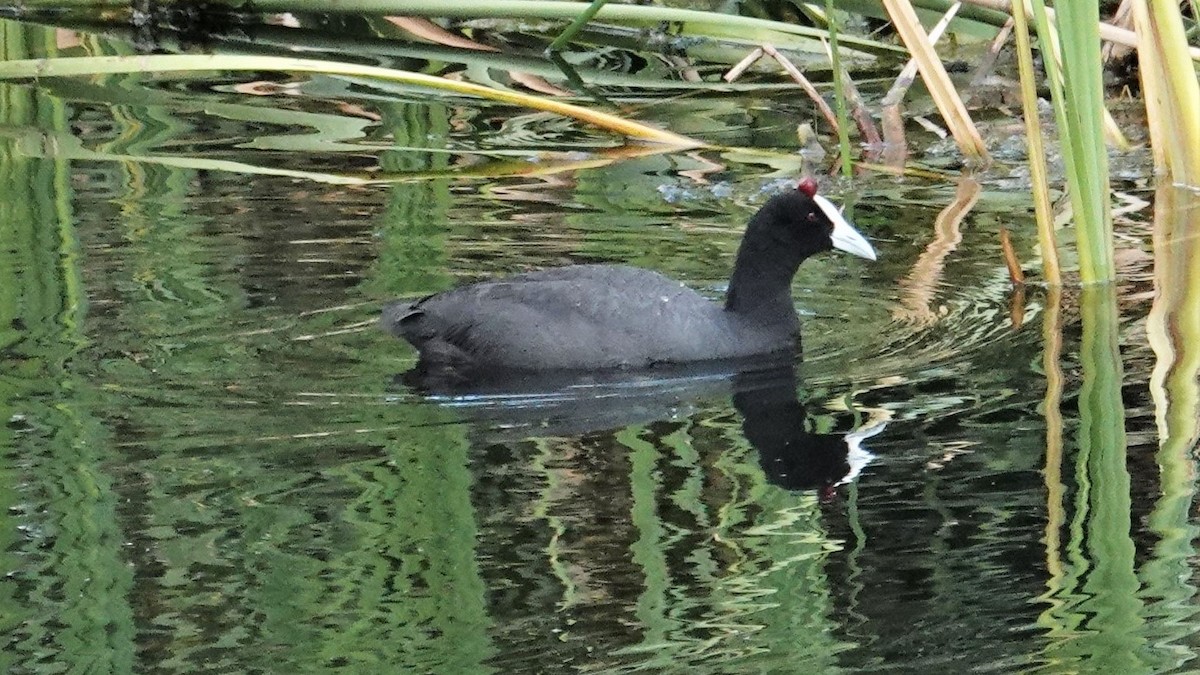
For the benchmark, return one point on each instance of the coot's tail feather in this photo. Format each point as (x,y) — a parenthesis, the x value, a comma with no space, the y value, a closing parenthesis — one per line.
(395,312)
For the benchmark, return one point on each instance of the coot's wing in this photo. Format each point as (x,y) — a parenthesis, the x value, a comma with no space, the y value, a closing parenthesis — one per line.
(588,316)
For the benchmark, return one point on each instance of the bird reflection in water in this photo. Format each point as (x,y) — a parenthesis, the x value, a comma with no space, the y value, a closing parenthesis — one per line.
(511,405)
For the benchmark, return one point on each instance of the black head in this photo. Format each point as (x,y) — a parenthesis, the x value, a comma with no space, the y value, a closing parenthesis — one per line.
(787,229)
(805,222)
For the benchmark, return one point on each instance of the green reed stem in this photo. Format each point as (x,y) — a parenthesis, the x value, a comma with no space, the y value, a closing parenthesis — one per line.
(1047,240)
(1077,92)
(577,25)
(839,94)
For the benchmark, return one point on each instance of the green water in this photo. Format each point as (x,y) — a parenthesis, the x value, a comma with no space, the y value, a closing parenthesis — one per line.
(207,465)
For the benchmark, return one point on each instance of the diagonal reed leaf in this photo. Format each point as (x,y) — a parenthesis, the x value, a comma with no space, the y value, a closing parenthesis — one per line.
(107,65)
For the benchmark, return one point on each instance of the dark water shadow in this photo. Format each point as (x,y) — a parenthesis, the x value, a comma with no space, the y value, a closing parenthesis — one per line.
(506,406)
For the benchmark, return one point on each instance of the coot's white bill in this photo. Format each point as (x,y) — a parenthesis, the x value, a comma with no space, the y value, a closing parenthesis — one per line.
(845,237)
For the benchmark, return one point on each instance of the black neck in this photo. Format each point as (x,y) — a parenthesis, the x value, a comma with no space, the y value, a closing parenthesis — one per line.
(761,283)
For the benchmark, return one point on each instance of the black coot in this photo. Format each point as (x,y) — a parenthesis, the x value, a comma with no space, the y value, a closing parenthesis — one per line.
(591,317)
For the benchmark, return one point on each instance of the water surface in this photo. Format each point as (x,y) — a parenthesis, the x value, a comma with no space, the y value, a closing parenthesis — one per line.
(209,465)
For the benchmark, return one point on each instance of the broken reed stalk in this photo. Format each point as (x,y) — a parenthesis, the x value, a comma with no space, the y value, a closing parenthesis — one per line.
(908,74)
(895,145)
(989,58)
(736,71)
(807,86)
(1015,274)
(941,89)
